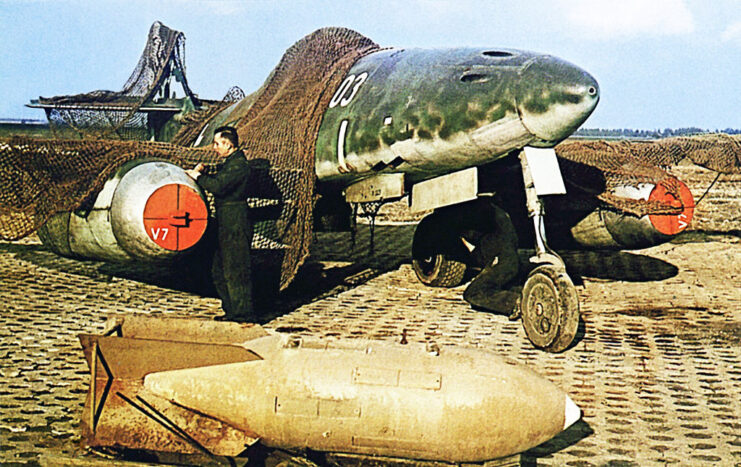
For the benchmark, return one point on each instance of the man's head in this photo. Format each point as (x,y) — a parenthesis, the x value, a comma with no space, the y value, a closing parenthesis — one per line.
(225,140)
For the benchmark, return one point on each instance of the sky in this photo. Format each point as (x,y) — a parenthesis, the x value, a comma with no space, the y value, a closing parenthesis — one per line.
(660,63)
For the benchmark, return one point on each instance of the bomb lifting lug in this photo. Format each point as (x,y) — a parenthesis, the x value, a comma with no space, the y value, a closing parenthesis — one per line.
(549,305)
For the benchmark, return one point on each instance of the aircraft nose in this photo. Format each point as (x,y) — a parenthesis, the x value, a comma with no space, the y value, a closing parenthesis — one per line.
(554,98)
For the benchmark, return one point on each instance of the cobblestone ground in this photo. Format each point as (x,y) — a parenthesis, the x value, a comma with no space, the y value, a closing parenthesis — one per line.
(656,368)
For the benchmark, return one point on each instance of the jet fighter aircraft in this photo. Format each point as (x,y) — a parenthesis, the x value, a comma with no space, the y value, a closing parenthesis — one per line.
(452,129)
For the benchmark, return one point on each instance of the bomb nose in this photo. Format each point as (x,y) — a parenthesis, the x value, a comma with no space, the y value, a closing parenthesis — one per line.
(554,98)
(572,413)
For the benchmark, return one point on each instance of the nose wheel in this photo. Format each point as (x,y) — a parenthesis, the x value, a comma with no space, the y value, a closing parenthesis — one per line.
(549,307)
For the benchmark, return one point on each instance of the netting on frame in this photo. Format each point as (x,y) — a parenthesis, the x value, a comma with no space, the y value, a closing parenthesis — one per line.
(278,124)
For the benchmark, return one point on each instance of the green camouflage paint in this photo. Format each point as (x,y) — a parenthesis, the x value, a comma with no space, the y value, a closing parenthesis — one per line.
(403,108)
(426,112)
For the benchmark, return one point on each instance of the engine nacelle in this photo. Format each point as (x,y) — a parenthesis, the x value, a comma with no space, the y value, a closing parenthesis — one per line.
(149,210)
(606,228)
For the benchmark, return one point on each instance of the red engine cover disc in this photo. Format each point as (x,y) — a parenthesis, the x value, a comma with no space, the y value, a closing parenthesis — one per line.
(175,217)
(664,192)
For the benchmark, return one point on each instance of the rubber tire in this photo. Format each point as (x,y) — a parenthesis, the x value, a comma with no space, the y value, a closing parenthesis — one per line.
(441,272)
(436,253)
(550,289)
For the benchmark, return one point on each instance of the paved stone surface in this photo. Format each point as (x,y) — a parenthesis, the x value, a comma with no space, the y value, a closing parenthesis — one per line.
(719,207)
(656,368)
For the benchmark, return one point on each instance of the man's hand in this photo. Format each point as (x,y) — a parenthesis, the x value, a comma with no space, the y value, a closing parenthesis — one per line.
(195,172)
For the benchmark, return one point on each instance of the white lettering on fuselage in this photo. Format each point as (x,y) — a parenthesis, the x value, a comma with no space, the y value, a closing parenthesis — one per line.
(156,233)
(682,221)
(341,147)
(347,85)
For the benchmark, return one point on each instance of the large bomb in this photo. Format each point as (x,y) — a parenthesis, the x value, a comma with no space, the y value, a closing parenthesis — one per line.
(193,385)
(149,210)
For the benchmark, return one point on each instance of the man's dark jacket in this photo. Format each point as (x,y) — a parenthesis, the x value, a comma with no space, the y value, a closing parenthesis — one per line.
(231,186)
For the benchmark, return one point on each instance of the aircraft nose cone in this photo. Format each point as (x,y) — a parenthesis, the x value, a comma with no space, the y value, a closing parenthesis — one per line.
(554,98)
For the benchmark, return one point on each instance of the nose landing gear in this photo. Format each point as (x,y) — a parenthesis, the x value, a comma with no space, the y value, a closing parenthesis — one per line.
(549,305)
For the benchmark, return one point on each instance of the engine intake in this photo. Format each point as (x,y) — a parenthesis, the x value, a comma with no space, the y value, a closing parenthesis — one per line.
(149,210)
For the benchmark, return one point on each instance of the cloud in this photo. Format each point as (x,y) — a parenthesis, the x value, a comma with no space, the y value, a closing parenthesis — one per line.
(217,7)
(629,18)
(732,33)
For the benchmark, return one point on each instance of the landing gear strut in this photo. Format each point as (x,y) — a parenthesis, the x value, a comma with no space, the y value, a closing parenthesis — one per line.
(549,305)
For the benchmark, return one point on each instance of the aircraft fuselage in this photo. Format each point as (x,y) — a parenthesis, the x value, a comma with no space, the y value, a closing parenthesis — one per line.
(427,112)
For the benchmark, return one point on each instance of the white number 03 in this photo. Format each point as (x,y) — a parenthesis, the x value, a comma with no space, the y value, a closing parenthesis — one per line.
(352,83)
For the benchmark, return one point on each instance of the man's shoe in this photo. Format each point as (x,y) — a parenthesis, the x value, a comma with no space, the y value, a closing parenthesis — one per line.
(516,312)
(242,319)
(236,318)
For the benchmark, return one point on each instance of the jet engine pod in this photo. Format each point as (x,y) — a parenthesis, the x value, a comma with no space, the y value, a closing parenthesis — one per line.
(148,211)
(605,228)
(157,210)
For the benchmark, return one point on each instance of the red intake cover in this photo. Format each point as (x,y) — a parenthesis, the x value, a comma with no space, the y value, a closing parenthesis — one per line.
(664,193)
(175,217)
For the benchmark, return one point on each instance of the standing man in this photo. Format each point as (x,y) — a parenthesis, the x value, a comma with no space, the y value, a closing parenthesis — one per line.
(232,267)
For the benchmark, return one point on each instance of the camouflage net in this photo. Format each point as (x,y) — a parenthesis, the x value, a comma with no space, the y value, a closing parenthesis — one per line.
(41,177)
(279,123)
(117,115)
(620,163)
(194,122)
(283,122)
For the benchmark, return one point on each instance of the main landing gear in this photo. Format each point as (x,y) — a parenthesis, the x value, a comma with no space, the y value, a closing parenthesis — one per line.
(481,236)
(445,245)
(438,258)
(549,305)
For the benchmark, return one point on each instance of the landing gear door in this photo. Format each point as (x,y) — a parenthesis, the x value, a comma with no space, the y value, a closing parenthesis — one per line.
(453,188)
(545,171)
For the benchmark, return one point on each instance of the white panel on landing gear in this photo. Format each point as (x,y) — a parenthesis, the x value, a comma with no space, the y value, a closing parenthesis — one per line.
(545,170)
(453,188)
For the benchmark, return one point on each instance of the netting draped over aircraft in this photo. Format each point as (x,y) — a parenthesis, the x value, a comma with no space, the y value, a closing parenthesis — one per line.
(621,163)
(41,177)
(279,123)
(283,122)
(194,122)
(115,114)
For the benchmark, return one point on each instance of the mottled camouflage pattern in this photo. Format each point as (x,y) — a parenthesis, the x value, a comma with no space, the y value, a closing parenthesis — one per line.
(438,100)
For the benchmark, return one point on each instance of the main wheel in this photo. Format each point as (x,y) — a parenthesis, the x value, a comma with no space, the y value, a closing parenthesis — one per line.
(550,309)
(437,270)
(436,254)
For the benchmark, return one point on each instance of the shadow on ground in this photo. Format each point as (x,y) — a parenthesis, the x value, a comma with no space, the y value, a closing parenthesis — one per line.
(569,437)
(337,262)
(617,266)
